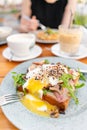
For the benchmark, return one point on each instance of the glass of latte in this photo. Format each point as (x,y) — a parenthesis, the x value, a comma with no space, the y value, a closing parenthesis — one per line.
(69,39)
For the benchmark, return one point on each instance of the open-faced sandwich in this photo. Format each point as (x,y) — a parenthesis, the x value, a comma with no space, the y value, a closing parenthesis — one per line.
(48,34)
(48,87)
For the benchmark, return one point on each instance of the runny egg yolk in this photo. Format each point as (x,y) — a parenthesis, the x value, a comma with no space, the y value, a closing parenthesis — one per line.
(35,85)
(37,105)
(32,100)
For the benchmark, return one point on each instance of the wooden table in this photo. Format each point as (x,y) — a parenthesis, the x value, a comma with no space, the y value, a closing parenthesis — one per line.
(5,67)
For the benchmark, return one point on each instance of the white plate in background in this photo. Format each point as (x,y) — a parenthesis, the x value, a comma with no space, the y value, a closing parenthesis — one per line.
(55,49)
(45,41)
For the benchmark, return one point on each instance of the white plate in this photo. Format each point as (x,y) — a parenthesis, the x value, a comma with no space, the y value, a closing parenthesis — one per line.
(35,52)
(74,119)
(81,53)
(44,41)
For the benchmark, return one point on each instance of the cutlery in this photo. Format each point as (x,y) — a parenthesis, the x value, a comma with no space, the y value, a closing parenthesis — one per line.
(9,98)
(43,27)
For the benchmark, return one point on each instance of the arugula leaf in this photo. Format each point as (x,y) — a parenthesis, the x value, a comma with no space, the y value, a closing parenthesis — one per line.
(14,73)
(50,31)
(25,91)
(82,77)
(46,61)
(65,78)
(18,79)
(80,85)
(45,91)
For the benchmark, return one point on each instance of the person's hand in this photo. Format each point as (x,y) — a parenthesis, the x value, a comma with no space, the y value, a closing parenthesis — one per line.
(27,25)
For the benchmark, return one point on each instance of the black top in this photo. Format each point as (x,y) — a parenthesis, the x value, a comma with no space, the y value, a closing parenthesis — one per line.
(49,14)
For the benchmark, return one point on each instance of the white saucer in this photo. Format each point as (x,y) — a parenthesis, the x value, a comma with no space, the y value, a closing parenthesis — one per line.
(3,42)
(81,53)
(35,52)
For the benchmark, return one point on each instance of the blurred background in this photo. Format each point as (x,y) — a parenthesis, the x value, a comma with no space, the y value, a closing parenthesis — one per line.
(81,13)
(10,11)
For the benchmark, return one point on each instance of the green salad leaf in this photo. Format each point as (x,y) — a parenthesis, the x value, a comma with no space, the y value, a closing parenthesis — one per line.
(65,78)
(79,85)
(82,77)
(18,79)
(50,31)
(46,61)
(45,91)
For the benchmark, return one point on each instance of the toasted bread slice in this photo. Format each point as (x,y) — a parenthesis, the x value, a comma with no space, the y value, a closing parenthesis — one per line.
(50,98)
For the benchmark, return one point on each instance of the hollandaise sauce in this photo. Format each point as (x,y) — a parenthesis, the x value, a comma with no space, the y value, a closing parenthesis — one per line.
(33,101)
(37,105)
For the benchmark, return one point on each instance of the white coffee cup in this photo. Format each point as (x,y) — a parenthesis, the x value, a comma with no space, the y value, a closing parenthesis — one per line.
(21,44)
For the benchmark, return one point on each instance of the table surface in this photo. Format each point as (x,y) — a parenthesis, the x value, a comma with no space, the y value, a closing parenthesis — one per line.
(6,66)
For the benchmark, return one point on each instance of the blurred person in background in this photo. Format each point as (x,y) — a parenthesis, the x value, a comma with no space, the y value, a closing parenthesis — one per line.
(50,13)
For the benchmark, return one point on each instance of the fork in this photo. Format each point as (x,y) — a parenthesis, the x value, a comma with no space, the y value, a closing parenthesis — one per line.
(43,27)
(9,98)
